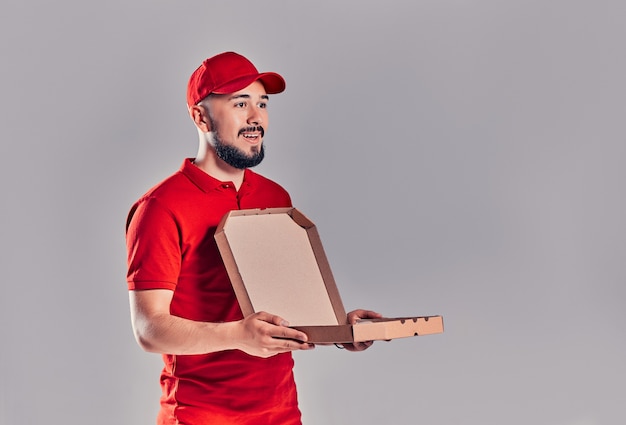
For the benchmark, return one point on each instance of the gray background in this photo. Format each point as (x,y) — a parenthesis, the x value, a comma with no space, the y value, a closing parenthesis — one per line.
(462,158)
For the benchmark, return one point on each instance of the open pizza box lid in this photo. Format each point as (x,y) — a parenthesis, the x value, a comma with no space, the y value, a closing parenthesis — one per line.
(276,263)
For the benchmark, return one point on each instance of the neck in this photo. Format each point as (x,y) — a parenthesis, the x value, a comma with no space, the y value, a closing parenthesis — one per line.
(208,161)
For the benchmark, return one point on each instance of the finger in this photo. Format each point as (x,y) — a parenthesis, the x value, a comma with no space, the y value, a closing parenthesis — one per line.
(358,346)
(272,318)
(364,345)
(282,331)
(369,314)
(352,346)
(292,345)
(284,345)
(289,333)
(356,315)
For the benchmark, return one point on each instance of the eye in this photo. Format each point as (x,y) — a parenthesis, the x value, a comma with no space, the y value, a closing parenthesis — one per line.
(240,105)
(262,105)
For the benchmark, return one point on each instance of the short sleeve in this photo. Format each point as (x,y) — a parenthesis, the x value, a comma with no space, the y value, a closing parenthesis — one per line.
(153,246)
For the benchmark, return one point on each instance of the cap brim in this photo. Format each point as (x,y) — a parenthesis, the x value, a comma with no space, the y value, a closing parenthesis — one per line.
(272,82)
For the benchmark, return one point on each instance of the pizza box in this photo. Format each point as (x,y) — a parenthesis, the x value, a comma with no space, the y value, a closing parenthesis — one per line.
(276,263)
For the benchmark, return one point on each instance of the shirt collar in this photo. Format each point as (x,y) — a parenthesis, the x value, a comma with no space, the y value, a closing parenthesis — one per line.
(207,183)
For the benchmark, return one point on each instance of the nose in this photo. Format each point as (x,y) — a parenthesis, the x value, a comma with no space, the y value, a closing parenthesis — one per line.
(255,116)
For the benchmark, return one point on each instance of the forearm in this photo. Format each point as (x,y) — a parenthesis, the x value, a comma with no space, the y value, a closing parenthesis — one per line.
(167,334)
(156,330)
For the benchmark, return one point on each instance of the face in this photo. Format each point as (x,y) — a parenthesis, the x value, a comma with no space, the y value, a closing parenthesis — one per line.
(238,122)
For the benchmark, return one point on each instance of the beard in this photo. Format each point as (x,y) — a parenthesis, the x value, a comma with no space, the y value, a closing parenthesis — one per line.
(236,157)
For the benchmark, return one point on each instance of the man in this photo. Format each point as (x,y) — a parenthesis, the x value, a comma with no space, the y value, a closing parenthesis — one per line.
(220,368)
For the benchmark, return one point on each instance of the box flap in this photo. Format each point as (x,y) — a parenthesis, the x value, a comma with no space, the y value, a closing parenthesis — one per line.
(276,263)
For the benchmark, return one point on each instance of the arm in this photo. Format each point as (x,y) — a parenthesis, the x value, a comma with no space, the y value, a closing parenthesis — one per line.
(353,317)
(156,330)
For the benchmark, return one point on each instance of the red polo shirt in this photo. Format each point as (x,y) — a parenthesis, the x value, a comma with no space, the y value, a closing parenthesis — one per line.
(171,246)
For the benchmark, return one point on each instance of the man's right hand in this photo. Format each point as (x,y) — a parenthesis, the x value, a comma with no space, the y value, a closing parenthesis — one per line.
(158,331)
(264,335)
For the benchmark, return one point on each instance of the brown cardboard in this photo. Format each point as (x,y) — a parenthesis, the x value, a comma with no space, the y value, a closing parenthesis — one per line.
(276,263)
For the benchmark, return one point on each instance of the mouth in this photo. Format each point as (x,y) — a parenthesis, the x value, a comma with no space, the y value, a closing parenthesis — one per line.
(252,134)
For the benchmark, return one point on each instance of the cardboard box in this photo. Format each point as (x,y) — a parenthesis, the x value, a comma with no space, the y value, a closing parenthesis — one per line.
(276,263)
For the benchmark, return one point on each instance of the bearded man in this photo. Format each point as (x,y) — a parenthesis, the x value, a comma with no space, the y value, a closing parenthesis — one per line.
(219,367)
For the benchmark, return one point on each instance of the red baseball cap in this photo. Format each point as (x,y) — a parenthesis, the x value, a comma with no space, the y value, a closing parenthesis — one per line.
(226,73)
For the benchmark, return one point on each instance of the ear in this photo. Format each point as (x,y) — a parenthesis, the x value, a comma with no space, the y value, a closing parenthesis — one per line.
(199,115)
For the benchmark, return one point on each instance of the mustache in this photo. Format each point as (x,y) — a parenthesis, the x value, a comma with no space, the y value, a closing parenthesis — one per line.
(252,130)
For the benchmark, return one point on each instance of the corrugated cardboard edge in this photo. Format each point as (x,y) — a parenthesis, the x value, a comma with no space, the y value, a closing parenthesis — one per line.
(375,330)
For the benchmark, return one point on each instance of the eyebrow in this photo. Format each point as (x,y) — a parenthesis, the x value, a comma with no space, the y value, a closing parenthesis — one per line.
(247,96)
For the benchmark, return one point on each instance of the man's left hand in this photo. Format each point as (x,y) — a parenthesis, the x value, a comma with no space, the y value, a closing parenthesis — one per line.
(353,317)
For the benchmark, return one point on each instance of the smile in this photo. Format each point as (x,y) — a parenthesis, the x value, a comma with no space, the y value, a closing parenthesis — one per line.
(252,133)
(251,136)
